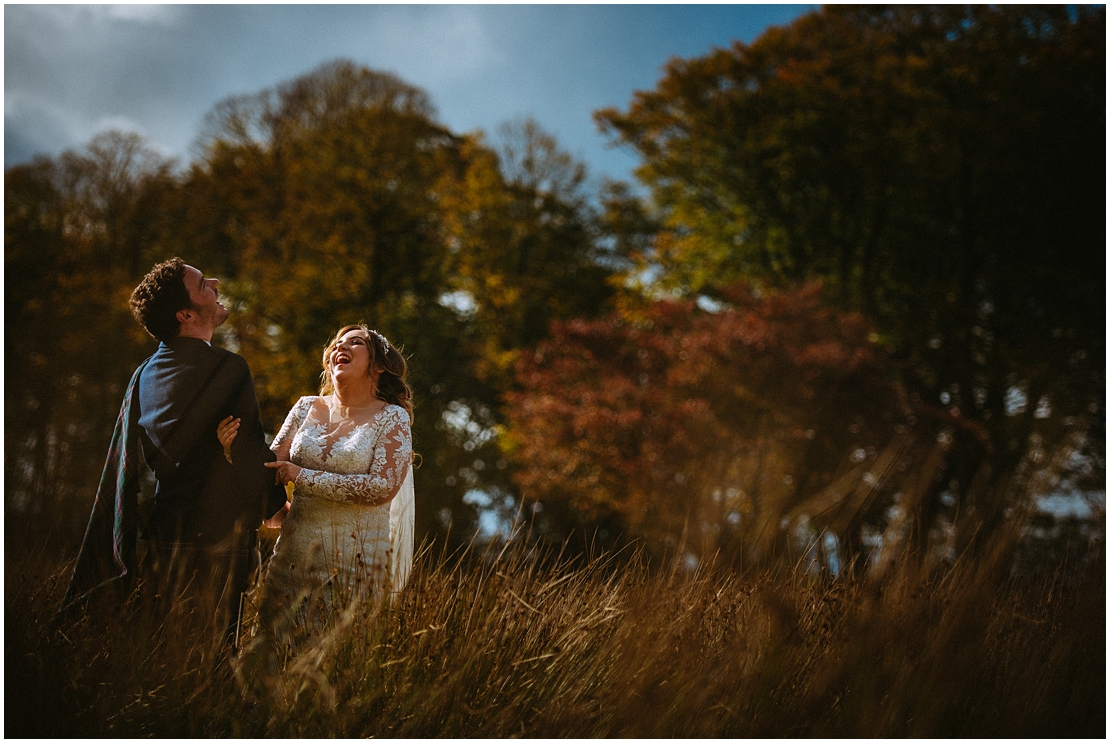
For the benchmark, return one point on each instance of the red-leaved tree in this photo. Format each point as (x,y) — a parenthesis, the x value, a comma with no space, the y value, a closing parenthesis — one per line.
(702,425)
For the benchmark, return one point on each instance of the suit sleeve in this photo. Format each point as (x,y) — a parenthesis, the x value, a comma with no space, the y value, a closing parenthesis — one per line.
(185,433)
(249,450)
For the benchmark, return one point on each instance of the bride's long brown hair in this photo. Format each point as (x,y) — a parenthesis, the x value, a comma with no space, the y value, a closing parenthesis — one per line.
(392,386)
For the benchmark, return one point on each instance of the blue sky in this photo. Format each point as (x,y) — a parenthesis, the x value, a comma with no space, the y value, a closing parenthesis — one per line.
(73,71)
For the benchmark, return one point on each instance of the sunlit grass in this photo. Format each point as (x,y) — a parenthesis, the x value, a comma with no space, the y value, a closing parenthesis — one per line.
(507,642)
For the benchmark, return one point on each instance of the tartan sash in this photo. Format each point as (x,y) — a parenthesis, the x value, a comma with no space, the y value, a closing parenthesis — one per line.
(108,551)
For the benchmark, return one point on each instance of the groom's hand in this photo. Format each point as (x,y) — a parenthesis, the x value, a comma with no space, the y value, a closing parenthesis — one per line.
(274,522)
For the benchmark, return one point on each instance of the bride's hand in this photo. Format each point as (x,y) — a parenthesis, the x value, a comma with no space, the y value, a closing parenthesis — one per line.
(286,471)
(226,433)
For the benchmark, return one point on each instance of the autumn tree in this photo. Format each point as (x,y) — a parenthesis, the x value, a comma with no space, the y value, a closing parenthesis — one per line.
(319,200)
(523,243)
(708,424)
(78,230)
(940,168)
(333,198)
(336,198)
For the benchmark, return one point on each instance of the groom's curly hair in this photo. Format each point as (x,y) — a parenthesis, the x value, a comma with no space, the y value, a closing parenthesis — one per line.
(392,386)
(158,297)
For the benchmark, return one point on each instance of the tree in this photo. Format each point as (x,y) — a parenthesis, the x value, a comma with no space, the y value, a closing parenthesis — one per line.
(77,234)
(320,201)
(338,198)
(940,168)
(333,198)
(708,424)
(524,249)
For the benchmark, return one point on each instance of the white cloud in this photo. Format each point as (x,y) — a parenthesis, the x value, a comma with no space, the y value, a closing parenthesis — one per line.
(82,16)
(164,15)
(119,123)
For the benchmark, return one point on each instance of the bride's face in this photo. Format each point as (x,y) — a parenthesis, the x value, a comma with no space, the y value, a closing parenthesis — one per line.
(350,359)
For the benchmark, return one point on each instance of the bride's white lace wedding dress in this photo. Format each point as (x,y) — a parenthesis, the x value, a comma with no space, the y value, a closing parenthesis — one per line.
(348,537)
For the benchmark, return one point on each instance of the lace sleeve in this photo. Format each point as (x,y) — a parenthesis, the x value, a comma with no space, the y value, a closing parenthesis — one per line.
(284,440)
(388,467)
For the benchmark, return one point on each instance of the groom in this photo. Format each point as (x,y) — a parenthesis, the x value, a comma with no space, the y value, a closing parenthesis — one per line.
(207,507)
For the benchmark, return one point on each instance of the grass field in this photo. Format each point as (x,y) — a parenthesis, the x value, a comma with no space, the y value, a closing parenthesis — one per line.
(505,642)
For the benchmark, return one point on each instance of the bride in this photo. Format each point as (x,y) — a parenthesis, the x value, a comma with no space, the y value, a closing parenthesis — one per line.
(348,535)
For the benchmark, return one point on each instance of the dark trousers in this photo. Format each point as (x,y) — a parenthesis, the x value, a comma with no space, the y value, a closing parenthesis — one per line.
(212,577)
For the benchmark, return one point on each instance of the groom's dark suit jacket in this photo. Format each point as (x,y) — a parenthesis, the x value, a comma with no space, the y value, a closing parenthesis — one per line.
(184,391)
(168,418)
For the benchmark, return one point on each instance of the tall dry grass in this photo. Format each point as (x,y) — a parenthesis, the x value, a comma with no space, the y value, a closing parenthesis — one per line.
(506,642)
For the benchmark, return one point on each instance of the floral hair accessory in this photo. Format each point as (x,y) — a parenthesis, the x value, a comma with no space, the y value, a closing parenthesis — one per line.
(385,343)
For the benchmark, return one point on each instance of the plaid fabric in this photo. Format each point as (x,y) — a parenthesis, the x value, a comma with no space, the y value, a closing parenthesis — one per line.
(108,555)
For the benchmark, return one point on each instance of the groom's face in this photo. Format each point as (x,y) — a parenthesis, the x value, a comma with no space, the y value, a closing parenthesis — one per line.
(204,294)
